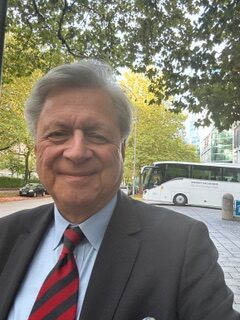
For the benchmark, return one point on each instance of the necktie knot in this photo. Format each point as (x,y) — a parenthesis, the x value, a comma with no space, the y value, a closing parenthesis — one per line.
(71,238)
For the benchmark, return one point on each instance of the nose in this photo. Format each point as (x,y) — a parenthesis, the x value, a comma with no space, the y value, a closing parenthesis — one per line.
(77,149)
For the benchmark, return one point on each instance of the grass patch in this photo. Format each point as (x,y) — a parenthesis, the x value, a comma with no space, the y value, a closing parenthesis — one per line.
(8,193)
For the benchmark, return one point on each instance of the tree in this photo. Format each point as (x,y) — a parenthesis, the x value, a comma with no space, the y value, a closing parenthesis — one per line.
(159,132)
(195,44)
(24,55)
(11,162)
(14,135)
(124,33)
(205,75)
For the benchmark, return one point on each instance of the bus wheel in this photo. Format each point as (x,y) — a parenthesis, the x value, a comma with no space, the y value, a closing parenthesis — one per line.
(180,199)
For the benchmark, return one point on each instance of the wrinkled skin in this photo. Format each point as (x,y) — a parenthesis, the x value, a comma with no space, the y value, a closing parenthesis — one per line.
(79,151)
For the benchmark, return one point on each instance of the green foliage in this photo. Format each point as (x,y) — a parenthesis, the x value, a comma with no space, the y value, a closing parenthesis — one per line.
(12,162)
(7,182)
(13,126)
(124,33)
(195,43)
(202,70)
(15,141)
(158,134)
(24,54)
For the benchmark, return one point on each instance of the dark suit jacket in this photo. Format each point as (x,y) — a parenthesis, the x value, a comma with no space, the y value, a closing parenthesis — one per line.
(152,263)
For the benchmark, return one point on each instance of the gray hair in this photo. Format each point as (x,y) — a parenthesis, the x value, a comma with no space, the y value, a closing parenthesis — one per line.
(87,73)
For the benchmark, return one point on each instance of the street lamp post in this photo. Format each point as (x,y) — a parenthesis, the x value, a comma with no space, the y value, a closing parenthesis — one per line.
(3,13)
(134,154)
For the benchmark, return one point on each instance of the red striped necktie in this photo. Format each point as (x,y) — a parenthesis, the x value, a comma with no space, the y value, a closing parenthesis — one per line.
(57,298)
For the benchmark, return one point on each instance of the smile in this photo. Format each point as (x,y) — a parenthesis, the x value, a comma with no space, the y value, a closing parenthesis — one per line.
(77,177)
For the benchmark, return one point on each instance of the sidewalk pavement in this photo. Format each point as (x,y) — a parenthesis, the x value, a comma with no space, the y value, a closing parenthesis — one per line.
(226,237)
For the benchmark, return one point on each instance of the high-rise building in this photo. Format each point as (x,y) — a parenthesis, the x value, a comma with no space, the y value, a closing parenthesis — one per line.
(192,132)
(236,143)
(217,146)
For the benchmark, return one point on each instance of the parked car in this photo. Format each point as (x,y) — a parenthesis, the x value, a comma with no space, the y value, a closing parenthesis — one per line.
(126,190)
(32,190)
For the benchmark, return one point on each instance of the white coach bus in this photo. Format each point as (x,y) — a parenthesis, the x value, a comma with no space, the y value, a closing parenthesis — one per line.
(184,183)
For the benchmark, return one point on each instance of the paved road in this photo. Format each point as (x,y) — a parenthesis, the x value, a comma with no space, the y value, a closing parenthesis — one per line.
(12,206)
(225,235)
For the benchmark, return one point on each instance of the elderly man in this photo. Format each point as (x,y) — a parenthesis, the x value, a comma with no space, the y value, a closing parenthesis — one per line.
(95,254)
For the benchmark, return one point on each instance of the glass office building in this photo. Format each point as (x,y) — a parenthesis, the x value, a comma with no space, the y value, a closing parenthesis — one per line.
(236,143)
(217,146)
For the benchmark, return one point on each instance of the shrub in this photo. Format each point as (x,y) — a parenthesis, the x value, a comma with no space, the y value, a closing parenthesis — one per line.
(8,182)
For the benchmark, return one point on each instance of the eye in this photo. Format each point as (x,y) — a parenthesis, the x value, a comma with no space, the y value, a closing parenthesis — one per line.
(98,138)
(58,136)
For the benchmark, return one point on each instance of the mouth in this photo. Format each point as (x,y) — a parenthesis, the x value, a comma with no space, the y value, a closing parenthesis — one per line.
(77,176)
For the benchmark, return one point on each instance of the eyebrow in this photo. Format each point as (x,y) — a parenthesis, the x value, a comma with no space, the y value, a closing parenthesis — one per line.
(54,125)
(86,127)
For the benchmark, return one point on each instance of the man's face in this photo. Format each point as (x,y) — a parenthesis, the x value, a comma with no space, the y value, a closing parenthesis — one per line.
(79,151)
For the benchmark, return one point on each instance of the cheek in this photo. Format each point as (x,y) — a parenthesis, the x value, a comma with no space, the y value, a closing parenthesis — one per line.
(45,156)
(114,160)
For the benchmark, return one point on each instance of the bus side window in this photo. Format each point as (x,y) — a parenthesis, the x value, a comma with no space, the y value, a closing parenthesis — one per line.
(176,171)
(206,173)
(231,174)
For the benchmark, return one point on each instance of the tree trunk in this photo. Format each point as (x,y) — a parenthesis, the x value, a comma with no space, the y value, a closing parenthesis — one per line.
(26,171)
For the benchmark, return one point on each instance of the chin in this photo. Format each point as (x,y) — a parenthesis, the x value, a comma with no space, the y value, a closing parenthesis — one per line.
(75,200)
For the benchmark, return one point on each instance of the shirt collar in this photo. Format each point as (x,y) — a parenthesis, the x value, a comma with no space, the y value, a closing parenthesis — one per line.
(93,228)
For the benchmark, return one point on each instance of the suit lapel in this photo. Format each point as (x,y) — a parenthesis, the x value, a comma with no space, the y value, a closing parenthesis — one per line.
(113,265)
(21,255)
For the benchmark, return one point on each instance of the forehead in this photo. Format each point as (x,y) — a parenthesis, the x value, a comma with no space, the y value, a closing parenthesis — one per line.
(75,105)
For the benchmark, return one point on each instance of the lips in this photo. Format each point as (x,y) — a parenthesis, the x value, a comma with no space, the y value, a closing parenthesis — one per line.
(77,175)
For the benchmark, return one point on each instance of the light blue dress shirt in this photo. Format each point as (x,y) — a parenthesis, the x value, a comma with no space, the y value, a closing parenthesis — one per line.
(47,255)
